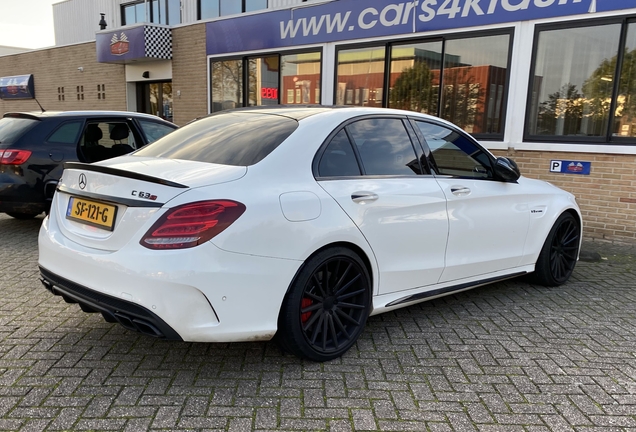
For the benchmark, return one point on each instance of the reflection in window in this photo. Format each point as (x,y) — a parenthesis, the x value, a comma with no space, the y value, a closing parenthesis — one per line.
(154,11)
(339,160)
(300,72)
(263,81)
(274,79)
(235,138)
(384,147)
(415,77)
(227,84)
(254,5)
(153,130)
(215,8)
(453,154)
(360,75)
(67,133)
(573,80)
(625,120)
(475,71)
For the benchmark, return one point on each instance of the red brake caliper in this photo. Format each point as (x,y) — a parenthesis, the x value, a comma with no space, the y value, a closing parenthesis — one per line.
(303,304)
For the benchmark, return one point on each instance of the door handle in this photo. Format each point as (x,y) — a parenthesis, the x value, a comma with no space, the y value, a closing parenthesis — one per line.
(460,190)
(363,197)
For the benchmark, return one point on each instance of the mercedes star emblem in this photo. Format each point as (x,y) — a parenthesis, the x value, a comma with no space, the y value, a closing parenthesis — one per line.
(82,181)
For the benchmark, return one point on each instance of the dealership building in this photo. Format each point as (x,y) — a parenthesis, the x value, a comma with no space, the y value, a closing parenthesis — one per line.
(550,83)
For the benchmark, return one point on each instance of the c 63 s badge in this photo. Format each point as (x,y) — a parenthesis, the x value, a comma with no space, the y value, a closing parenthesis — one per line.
(144,195)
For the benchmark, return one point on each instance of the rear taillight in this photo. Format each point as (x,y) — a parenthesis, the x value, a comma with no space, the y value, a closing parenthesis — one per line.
(14,157)
(190,225)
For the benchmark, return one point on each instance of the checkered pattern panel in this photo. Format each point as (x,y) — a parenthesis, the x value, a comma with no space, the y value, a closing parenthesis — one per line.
(158,42)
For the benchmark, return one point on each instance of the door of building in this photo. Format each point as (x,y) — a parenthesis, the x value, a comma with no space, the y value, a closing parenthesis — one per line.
(155,98)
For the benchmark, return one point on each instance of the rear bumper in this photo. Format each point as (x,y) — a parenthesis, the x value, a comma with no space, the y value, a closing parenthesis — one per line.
(129,315)
(202,294)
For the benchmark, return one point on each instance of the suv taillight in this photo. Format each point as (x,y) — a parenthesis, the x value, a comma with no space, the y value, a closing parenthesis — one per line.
(14,157)
(190,225)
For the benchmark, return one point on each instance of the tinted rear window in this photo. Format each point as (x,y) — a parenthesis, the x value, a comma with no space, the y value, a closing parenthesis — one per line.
(240,139)
(12,128)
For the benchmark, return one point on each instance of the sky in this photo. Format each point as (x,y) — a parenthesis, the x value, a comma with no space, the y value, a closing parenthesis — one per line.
(27,23)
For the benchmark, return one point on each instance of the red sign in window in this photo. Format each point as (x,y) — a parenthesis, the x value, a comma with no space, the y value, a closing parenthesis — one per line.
(269,93)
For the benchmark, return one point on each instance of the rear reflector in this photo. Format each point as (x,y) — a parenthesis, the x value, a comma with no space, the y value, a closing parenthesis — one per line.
(14,157)
(191,224)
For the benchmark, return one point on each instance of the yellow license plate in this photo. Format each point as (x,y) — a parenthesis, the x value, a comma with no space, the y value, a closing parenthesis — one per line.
(95,213)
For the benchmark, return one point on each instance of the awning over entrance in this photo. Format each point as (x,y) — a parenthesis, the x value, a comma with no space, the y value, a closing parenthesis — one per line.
(132,44)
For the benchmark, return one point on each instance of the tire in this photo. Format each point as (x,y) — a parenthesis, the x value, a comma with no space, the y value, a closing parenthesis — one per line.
(326,307)
(22,216)
(559,252)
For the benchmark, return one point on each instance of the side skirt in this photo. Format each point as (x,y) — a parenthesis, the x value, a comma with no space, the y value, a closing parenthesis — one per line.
(451,289)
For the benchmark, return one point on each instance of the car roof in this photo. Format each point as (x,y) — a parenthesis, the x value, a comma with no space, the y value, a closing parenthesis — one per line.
(296,112)
(300,112)
(84,113)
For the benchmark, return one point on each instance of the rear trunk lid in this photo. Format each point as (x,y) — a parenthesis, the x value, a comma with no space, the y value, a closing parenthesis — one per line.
(104,205)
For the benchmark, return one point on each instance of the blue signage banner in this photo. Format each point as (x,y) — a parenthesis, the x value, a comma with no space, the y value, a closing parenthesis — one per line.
(17,87)
(121,45)
(355,19)
(570,167)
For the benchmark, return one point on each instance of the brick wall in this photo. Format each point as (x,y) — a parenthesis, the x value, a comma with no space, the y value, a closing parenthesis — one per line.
(189,73)
(58,67)
(607,196)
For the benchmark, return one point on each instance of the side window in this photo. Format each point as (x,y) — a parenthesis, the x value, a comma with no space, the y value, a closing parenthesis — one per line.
(384,147)
(66,133)
(338,160)
(153,131)
(454,154)
(105,140)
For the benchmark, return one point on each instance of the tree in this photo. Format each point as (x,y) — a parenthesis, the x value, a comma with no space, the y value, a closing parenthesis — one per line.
(597,90)
(413,90)
(563,109)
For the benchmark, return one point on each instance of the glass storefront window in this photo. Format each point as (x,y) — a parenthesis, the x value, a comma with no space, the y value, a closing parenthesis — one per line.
(572,83)
(625,113)
(216,8)
(134,13)
(227,84)
(230,7)
(300,72)
(271,80)
(414,81)
(254,5)
(360,76)
(475,74)
(174,12)
(155,11)
(209,9)
(263,81)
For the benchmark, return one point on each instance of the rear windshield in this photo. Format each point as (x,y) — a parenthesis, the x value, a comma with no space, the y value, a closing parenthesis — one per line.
(240,139)
(12,128)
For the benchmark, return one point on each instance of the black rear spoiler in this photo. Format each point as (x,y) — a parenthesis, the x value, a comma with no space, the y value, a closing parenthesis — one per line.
(122,173)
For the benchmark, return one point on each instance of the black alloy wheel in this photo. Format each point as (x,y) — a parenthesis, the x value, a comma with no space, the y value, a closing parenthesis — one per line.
(560,252)
(327,306)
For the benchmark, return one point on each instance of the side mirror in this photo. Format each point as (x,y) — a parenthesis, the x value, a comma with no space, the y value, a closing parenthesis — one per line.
(507,169)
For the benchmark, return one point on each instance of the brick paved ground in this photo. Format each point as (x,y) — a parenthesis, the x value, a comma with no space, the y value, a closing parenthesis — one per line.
(509,356)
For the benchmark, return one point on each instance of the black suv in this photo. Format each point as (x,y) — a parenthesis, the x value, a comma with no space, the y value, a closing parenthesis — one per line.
(34,147)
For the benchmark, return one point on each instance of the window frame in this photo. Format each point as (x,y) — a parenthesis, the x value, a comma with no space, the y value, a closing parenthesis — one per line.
(315,164)
(245,58)
(151,12)
(431,158)
(608,138)
(388,47)
(243,4)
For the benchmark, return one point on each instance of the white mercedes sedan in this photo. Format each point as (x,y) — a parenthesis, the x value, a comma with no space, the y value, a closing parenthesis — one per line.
(297,223)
